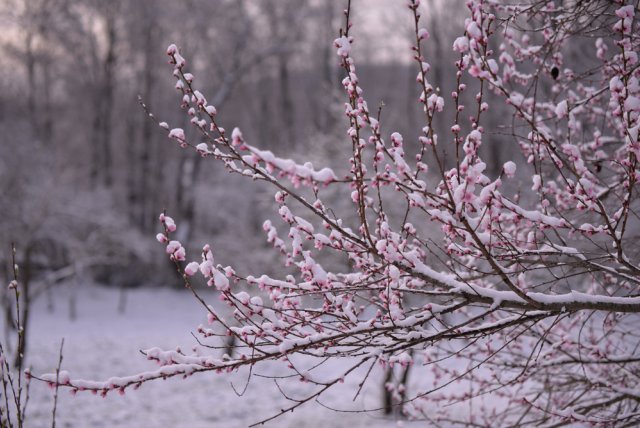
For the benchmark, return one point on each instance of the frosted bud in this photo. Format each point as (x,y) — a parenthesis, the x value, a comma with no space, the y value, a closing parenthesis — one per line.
(509,168)
(172,49)
(191,268)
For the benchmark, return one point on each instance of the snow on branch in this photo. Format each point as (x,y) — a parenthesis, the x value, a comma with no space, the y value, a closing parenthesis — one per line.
(530,279)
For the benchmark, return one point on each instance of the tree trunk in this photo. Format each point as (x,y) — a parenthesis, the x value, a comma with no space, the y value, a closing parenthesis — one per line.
(387,393)
(107,97)
(133,187)
(286,103)
(101,168)
(30,63)
(147,218)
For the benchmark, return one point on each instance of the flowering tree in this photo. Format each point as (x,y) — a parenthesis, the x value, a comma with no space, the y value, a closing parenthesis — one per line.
(529,292)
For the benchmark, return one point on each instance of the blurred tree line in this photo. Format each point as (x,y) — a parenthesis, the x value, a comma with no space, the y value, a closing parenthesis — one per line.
(84,173)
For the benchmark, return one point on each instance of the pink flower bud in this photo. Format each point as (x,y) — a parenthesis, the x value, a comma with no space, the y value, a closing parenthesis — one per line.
(191,268)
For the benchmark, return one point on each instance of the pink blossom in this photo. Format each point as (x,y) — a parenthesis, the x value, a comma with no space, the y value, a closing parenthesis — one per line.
(191,268)
(461,44)
(423,34)
(344,46)
(561,109)
(173,246)
(509,168)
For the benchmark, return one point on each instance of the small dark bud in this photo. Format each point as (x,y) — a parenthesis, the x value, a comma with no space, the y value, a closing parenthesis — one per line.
(555,72)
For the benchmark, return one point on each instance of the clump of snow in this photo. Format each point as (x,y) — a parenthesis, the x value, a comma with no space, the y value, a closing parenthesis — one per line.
(344,46)
(562,109)
(509,168)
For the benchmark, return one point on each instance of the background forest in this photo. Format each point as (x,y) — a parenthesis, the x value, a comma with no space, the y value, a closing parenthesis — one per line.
(83,171)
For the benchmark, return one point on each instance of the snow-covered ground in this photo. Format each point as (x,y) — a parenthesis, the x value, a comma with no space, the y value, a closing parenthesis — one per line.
(101,343)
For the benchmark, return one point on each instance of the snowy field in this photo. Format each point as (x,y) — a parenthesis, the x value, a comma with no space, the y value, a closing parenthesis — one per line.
(100,344)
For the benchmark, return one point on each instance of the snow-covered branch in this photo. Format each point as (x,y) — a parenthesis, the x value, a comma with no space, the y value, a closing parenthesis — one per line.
(532,274)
